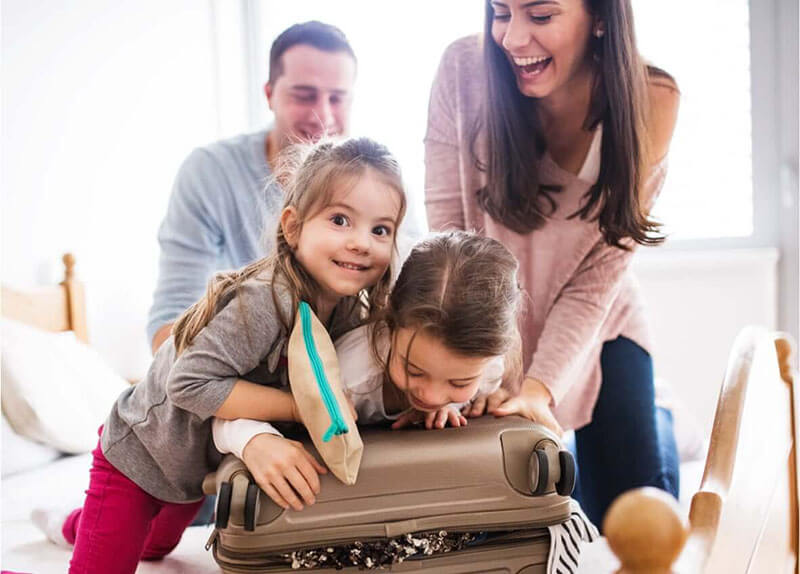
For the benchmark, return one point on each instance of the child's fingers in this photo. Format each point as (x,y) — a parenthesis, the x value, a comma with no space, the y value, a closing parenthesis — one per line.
(299,483)
(441,417)
(273,494)
(455,419)
(430,419)
(287,493)
(316,465)
(478,406)
(403,420)
(309,473)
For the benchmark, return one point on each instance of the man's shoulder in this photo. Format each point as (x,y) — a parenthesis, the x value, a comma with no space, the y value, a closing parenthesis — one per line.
(243,146)
(229,162)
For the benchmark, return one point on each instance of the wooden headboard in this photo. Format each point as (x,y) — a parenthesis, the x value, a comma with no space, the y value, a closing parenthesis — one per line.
(61,307)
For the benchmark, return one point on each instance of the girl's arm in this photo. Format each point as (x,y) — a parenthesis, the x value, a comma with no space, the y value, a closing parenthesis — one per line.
(233,436)
(252,401)
(206,378)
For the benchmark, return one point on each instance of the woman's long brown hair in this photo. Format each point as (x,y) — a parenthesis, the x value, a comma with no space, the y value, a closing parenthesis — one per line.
(514,194)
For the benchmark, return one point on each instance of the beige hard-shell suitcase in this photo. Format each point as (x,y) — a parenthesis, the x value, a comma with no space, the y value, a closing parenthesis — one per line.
(498,482)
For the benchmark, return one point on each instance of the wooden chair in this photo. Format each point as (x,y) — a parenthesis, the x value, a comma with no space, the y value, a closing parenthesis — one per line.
(61,307)
(744,517)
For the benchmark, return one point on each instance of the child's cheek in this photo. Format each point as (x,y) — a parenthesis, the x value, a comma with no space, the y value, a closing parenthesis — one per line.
(396,376)
(464,395)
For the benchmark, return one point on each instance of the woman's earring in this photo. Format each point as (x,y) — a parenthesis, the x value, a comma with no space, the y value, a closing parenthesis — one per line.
(599,32)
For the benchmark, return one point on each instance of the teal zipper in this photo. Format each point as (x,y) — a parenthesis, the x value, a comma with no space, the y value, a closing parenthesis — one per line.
(338,425)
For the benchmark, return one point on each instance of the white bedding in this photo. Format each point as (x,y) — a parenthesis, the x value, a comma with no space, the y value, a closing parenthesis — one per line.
(62,483)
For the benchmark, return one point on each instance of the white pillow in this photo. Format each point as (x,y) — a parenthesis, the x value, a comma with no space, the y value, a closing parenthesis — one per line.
(56,390)
(20,454)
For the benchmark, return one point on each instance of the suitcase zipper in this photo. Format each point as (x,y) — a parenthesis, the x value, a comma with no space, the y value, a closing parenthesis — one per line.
(212,539)
(246,562)
(338,426)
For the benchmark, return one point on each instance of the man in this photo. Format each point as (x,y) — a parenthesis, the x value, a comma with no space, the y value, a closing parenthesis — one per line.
(222,211)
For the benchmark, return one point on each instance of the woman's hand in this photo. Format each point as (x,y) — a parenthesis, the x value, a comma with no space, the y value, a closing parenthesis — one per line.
(434,419)
(532,402)
(485,403)
(283,469)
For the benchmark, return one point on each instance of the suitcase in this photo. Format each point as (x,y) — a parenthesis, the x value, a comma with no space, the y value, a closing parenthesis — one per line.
(499,482)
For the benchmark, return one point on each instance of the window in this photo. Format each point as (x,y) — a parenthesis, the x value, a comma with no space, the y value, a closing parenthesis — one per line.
(708,192)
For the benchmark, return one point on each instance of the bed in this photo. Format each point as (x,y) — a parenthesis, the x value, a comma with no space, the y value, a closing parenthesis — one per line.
(741,502)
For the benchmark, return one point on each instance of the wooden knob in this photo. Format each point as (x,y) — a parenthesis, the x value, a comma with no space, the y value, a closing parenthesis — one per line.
(645,530)
(69,265)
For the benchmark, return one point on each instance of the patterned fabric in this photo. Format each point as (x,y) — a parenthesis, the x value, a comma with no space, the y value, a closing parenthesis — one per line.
(566,540)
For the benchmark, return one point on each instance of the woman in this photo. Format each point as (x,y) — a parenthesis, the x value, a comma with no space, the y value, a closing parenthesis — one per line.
(550,134)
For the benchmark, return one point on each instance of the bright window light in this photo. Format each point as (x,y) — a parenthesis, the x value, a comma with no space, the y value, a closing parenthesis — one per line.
(399,45)
(709,187)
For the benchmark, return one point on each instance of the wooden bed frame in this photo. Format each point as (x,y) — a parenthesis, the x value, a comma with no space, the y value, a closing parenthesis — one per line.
(57,308)
(744,517)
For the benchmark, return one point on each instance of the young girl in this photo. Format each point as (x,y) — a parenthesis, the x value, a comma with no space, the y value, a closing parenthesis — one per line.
(334,249)
(448,334)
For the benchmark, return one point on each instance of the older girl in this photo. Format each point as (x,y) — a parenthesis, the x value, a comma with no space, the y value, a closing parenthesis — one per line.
(333,250)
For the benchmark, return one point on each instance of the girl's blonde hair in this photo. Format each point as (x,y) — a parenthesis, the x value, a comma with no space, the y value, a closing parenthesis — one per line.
(309,176)
(462,289)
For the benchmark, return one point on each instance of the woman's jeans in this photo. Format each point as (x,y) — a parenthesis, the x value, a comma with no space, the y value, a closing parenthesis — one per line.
(629,443)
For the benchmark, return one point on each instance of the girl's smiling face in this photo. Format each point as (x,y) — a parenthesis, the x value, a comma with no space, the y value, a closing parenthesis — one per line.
(546,42)
(436,376)
(347,245)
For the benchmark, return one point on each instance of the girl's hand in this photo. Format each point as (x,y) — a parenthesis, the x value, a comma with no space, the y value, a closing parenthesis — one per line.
(283,469)
(533,402)
(434,419)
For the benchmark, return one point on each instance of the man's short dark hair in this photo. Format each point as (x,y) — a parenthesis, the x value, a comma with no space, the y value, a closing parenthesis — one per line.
(317,34)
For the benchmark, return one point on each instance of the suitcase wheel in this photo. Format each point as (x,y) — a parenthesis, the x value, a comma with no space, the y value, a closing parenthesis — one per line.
(539,468)
(223,505)
(251,507)
(566,484)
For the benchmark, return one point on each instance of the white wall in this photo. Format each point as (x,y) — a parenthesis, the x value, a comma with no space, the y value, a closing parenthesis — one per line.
(697,303)
(101,102)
